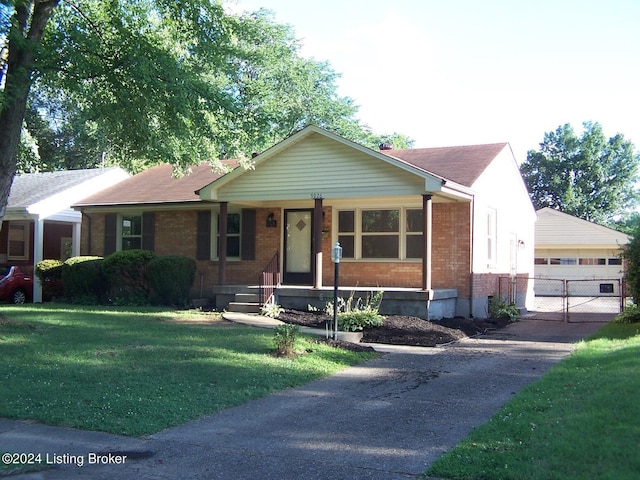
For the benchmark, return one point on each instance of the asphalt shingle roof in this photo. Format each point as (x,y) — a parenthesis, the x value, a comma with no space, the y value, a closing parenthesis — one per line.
(462,165)
(31,188)
(157,185)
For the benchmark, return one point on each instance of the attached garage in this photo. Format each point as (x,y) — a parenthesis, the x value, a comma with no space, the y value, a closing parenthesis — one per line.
(567,247)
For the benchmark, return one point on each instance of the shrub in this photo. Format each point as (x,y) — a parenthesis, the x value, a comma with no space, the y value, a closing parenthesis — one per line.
(630,314)
(499,308)
(285,339)
(83,279)
(271,309)
(358,315)
(127,275)
(49,272)
(170,278)
(632,269)
(49,269)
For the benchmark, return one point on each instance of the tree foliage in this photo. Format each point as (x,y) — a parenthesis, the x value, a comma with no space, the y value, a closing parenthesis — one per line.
(150,81)
(590,176)
(632,265)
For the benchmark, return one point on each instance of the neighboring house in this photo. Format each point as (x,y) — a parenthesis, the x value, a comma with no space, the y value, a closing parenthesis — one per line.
(39,222)
(434,228)
(570,248)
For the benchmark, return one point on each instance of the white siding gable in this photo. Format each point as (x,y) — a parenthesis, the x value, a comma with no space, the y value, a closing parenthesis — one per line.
(318,165)
(501,192)
(555,228)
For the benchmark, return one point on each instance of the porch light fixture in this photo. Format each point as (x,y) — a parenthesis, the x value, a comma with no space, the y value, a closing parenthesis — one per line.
(271,220)
(336,255)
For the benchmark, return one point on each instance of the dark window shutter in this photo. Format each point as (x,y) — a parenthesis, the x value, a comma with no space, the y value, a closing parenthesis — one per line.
(203,238)
(148,230)
(248,234)
(110,229)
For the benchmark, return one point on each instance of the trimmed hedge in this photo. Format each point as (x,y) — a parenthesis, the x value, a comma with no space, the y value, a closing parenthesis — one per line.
(83,279)
(171,278)
(49,271)
(126,272)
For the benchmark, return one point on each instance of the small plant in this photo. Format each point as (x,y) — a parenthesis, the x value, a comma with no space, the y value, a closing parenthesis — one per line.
(285,338)
(358,315)
(631,314)
(499,308)
(271,309)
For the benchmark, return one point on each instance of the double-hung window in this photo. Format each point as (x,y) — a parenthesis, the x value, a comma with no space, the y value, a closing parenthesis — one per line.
(18,247)
(131,232)
(394,234)
(233,235)
(380,233)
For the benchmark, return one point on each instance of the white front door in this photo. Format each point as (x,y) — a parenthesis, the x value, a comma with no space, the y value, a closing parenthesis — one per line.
(298,236)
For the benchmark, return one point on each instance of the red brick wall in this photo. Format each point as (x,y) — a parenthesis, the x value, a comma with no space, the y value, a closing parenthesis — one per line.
(175,233)
(451,260)
(92,236)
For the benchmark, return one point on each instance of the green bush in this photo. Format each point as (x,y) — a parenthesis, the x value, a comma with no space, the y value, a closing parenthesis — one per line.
(631,314)
(49,269)
(83,279)
(632,267)
(358,315)
(126,272)
(49,272)
(170,278)
(271,309)
(499,308)
(285,339)
(356,321)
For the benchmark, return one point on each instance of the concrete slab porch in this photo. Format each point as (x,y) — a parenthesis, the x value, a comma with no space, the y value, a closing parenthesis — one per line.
(431,305)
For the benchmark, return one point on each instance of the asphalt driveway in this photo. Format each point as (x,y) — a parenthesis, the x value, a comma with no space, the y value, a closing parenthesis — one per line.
(386,419)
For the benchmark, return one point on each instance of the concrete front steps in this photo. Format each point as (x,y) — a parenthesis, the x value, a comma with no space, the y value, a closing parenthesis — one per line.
(245,303)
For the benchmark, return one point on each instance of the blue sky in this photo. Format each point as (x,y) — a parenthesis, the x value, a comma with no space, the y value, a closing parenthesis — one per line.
(458,72)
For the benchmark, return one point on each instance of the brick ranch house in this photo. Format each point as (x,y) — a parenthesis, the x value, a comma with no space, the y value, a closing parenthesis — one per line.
(434,228)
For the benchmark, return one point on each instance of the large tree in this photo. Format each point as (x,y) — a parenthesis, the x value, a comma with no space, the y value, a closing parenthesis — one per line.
(589,176)
(149,81)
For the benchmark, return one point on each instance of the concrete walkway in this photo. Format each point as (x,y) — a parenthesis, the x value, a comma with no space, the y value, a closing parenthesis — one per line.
(386,419)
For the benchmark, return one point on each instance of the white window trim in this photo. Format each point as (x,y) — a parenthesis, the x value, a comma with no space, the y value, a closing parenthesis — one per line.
(119,228)
(358,233)
(26,240)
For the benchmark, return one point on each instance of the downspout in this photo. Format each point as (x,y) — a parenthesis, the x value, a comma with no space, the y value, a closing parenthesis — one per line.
(473,230)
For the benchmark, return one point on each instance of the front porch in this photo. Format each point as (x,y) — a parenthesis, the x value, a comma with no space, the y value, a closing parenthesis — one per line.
(430,305)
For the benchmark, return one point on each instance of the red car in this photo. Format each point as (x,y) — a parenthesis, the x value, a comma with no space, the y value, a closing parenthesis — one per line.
(15,285)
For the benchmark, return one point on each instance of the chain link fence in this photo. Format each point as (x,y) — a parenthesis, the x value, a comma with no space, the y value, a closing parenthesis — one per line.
(575,300)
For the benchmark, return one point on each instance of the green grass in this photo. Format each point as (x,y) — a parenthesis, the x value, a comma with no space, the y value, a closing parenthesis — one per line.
(134,372)
(580,420)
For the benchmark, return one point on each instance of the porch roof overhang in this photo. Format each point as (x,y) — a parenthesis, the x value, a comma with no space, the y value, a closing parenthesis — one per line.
(42,212)
(315,163)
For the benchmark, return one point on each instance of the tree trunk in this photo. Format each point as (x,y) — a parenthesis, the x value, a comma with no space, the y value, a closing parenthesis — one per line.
(23,40)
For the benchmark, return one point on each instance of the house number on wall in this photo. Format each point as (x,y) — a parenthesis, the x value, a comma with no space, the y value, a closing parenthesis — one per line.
(316,195)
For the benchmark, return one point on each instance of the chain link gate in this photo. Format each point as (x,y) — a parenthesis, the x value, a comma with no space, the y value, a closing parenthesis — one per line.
(592,300)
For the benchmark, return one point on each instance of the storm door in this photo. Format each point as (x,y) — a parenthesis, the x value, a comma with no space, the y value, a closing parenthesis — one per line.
(298,251)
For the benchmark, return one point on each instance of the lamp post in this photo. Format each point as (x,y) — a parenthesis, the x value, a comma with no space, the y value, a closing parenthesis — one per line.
(336,255)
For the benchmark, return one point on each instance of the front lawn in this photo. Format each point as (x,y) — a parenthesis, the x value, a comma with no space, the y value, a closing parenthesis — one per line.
(581,420)
(138,371)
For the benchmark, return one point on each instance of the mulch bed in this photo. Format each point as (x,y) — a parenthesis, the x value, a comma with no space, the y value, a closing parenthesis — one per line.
(404,330)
